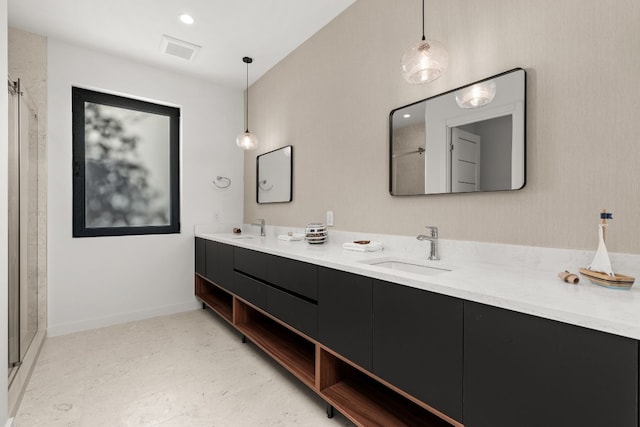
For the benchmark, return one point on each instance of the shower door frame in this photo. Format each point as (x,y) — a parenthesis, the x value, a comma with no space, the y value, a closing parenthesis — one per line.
(14,225)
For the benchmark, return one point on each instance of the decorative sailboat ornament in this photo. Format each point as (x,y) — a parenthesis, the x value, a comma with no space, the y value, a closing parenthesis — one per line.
(600,271)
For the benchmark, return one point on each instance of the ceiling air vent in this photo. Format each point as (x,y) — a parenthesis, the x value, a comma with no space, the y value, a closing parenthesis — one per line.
(180,48)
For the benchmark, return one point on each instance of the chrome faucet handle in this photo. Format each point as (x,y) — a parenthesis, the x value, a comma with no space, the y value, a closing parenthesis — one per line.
(433,255)
(434,230)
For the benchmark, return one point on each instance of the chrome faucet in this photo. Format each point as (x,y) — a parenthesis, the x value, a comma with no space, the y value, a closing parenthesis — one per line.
(433,238)
(261,224)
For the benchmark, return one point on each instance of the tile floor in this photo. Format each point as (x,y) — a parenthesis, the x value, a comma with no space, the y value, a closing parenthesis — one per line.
(185,370)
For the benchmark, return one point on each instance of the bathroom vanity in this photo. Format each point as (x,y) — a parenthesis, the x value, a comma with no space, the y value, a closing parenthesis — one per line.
(393,348)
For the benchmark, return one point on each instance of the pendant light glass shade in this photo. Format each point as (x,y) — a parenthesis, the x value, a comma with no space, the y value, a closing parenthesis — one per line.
(477,95)
(247,140)
(424,61)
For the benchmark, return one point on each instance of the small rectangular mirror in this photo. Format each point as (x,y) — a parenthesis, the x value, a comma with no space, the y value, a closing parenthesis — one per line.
(466,140)
(275,176)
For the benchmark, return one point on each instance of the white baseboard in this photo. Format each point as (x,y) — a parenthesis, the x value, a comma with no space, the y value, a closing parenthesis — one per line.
(84,325)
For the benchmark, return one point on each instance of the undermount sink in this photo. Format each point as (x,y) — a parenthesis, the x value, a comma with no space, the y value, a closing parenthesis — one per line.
(243,236)
(407,266)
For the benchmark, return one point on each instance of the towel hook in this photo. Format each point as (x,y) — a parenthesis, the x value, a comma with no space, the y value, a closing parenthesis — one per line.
(263,185)
(223,179)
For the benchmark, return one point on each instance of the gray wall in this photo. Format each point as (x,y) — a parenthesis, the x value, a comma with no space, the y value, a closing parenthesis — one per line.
(331,99)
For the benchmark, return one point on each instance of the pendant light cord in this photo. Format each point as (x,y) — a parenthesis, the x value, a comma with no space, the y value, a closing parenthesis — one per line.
(246,102)
(247,60)
(423,37)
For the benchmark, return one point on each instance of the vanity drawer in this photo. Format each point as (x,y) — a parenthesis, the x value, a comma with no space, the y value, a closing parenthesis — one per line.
(250,262)
(345,315)
(301,314)
(201,256)
(250,290)
(298,277)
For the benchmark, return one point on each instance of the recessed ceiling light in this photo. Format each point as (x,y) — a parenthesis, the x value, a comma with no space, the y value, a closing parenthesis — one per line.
(406,116)
(185,18)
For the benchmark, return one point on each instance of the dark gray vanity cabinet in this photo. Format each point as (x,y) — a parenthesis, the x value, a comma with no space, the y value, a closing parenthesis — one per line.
(417,344)
(218,262)
(345,314)
(521,370)
(285,288)
(479,365)
(201,258)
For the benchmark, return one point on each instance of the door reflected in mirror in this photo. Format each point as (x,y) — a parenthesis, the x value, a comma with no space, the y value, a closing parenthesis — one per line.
(465,140)
(274,176)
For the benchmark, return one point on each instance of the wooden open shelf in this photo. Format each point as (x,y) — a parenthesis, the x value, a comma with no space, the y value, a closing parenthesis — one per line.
(216,298)
(359,397)
(293,352)
(365,401)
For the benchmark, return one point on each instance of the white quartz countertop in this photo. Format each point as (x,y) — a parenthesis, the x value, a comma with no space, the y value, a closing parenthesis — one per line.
(531,288)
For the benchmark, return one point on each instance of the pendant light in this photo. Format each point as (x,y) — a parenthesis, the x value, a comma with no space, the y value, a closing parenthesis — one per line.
(424,61)
(247,140)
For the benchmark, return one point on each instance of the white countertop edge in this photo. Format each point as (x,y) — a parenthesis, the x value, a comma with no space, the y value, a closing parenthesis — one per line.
(526,289)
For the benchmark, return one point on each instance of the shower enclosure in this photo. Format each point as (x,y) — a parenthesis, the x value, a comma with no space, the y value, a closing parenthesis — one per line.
(23,224)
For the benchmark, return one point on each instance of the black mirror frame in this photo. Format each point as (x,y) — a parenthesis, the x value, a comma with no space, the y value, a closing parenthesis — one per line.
(524,141)
(290,177)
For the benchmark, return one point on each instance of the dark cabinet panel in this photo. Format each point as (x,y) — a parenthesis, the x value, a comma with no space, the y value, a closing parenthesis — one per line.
(529,371)
(211,261)
(345,314)
(201,257)
(300,314)
(250,262)
(225,266)
(214,261)
(417,344)
(250,290)
(295,276)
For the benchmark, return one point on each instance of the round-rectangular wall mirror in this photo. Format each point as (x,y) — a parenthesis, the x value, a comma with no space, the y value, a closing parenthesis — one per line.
(466,140)
(275,176)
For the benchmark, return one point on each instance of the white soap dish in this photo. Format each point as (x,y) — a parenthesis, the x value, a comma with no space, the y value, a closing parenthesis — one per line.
(291,237)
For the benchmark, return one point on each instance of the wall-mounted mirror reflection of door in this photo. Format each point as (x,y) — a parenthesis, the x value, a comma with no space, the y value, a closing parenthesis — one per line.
(275,176)
(465,140)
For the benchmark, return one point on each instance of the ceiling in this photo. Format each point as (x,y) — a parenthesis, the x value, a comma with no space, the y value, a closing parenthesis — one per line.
(227,30)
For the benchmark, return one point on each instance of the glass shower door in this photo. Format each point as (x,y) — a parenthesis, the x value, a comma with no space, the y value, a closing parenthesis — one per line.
(23,222)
